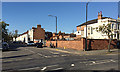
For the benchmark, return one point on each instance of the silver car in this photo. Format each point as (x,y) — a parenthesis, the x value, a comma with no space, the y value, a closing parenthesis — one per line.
(31,43)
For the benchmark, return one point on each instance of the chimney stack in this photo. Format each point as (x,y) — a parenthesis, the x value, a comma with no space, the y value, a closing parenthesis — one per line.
(99,15)
(38,26)
(118,19)
(33,28)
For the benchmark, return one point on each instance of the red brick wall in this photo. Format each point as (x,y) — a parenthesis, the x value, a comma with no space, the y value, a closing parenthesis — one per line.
(67,36)
(78,45)
(99,44)
(92,44)
(78,28)
(82,27)
(78,36)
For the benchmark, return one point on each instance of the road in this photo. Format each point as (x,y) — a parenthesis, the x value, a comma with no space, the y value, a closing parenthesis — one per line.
(46,59)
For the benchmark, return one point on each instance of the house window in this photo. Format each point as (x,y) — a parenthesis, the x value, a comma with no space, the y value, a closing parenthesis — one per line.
(112,36)
(115,27)
(118,36)
(88,33)
(91,30)
(115,35)
(33,30)
(118,26)
(112,26)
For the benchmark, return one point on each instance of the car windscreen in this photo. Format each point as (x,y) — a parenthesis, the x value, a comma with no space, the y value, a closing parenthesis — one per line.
(31,42)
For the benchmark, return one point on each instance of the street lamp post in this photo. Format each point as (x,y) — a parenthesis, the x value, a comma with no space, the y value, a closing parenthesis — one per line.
(86,27)
(56,26)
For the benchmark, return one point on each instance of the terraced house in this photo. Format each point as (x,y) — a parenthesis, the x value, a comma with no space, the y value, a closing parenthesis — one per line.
(34,34)
(93,24)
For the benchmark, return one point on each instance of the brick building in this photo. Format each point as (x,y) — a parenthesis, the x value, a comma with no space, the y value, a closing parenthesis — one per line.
(63,36)
(34,34)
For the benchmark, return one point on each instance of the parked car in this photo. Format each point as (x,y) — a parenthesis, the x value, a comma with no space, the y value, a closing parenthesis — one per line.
(5,46)
(14,42)
(39,45)
(17,42)
(31,43)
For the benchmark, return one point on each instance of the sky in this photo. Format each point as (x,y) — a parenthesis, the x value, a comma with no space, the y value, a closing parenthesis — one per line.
(60,0)
(24,15)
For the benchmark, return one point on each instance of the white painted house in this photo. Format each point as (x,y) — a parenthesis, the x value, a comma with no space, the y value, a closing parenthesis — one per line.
(93,24)
(34,34)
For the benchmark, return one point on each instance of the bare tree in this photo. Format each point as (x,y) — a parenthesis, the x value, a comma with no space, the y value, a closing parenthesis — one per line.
(106,29)
(16,34)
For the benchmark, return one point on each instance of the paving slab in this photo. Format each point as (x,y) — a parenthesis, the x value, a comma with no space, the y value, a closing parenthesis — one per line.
(81,52)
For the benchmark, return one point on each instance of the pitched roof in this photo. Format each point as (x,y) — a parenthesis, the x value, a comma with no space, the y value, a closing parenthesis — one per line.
(91,21)
(23,33)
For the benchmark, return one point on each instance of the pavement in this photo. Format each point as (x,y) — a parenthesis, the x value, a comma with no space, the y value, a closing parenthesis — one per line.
(52,59)
(81,52)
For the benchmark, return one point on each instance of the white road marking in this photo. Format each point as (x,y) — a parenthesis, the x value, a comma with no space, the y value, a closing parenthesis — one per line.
(30,68)
(58,50)
(55,56)
(97,62)
(112,60)
(39,67)
(47,56)
(48,67)
(63,55)
(29,58)
(93,62)
(83,62)
(52,66)
(17,60)
(30,50)
(36,53)
(7,60)
(44,68)
(39,54)
(112,54)
(102,62)
(54,52)
(72,65)
(57,68)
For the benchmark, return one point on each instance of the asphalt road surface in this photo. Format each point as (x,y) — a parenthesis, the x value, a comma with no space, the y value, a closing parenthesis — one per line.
(46,59)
